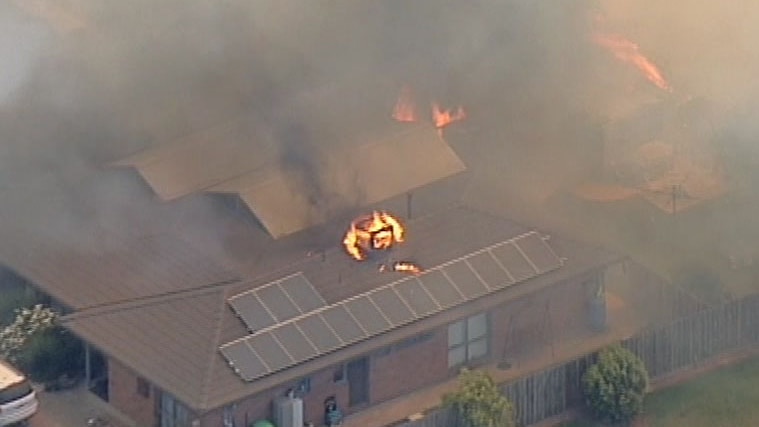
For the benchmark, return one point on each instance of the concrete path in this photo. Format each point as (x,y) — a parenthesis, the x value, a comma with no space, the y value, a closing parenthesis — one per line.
(72,408)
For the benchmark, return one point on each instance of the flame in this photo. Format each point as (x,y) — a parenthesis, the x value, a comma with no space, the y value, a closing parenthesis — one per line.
(351,243)
(405,108)
(407,267)
(627,51)
(378,231)
(442,118)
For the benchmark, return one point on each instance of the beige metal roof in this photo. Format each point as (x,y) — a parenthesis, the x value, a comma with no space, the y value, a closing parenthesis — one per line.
(203,159)
(388,165)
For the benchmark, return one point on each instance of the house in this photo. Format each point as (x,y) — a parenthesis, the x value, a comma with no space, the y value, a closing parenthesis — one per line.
(205,316)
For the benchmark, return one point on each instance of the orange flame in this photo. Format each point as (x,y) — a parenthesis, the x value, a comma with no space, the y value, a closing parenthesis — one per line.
(627,51)
(378,231)
(442,118)
(407,267)
(405,109)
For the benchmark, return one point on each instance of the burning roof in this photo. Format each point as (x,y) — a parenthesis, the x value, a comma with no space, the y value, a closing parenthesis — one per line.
(375,232)
(405,111)
(229,159)
(387,166)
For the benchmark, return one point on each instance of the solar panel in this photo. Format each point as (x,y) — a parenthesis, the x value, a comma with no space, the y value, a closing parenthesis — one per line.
(276,302)
(270,351)
(538,251)
(392,306)
(343,324)
(249,308)
(512,260)
(326,329)
(243,360)
(368,315)
(489,271)
(296,345)
(413,292)
(465,279)
(302,293)
(317,331)
(441,288)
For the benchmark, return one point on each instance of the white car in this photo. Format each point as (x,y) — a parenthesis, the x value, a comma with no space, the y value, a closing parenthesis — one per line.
(18,401)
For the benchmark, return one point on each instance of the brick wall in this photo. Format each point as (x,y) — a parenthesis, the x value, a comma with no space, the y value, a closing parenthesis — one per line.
(528,324)
(405,368)
(259,406)
(122,394)
(408,366)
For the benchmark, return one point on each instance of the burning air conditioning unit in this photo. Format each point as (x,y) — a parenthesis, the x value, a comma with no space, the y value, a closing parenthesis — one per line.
(288,411)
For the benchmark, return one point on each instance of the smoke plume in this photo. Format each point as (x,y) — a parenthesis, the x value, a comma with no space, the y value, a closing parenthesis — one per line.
(91,82)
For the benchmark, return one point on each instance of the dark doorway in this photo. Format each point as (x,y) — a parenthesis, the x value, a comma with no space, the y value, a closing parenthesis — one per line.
(358,381)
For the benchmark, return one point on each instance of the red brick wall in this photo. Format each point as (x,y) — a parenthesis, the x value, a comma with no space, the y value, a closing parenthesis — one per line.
(406,369)
(259,406)
(393,374)
(530,323)
(122,394)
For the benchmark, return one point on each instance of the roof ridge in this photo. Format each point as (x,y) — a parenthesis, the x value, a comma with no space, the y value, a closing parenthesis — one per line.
(139,302)
(214,345)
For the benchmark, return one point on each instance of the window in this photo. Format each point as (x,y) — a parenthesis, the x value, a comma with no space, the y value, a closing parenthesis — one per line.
(303,386)
(173,413)
(468,339)
(228,417)
(15,392)
(143,387)
(339,375)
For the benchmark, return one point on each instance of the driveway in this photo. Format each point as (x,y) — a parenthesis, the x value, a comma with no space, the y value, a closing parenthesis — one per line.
(72,408)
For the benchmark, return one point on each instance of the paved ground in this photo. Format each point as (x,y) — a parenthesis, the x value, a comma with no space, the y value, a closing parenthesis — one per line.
(72,408)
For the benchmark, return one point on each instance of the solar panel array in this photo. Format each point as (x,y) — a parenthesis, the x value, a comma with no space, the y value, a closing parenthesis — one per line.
(391,306)
(276,302)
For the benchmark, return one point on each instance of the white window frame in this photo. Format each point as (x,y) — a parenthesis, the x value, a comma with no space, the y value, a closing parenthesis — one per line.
(468,340)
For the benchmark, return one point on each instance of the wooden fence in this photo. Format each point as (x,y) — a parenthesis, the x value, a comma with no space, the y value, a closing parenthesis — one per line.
(683,343)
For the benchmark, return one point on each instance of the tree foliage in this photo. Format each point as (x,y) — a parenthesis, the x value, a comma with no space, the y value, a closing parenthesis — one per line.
(39,346)
(50,354)
(480,402)
(614,387)
(28,322)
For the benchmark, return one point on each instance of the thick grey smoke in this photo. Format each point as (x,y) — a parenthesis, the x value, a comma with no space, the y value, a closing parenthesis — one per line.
(538,91)
(22,43)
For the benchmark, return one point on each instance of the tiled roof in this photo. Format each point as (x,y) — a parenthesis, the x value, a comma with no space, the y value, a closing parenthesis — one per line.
(120,271)
(194,324)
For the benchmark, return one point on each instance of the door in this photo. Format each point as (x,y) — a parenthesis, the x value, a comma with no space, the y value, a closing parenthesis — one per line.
(358,381)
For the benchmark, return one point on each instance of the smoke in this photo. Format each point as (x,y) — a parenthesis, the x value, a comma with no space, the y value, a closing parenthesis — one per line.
(300,160)
(21,45)
(538,92)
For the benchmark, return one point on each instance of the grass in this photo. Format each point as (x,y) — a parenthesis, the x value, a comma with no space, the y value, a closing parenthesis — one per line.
(727,397)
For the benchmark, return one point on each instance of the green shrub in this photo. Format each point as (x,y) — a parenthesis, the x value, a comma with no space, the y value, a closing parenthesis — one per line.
(479,401)
(50,354)
(615,386)
(28,322)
